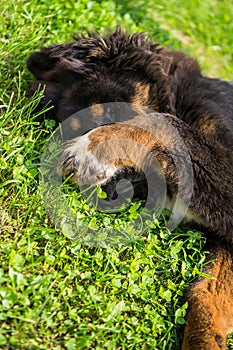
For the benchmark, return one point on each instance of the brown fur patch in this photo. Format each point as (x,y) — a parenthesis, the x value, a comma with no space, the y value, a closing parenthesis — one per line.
(122,149)
(111,132)
(75,124)
(210,316)
(126,144)
(120,163)
(141,96)
(97,110)
(207,126)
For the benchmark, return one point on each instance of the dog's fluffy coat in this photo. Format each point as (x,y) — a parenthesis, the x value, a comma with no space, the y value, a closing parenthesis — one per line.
(96,69)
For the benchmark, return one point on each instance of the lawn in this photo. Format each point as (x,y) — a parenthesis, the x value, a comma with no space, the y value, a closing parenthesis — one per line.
(56,293)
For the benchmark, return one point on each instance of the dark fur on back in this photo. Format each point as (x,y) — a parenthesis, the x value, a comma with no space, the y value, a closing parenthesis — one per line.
(98,69)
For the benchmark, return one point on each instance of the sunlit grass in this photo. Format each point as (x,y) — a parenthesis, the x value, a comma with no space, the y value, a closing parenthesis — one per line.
(56,293)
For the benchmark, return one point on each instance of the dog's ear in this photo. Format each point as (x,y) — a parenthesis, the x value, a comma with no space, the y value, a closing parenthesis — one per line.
(41,62)
(46,66)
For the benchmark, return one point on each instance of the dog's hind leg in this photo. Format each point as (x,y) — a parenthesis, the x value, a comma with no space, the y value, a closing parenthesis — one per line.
(210,314)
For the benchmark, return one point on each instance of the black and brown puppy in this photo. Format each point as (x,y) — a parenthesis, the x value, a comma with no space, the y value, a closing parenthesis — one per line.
(97,69)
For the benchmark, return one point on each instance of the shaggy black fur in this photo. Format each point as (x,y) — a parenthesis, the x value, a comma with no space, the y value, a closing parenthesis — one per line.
(97,69)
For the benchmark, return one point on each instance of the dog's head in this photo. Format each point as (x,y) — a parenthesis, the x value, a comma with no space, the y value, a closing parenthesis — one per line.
(97,69)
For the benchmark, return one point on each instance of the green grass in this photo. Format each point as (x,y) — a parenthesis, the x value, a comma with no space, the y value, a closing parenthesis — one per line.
(54,292)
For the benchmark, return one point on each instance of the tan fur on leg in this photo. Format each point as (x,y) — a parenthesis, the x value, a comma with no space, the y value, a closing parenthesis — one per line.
(210,314)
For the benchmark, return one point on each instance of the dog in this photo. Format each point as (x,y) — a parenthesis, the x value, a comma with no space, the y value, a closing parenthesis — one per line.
(94,70)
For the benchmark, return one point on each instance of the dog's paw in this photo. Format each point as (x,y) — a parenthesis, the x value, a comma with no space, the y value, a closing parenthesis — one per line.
(83,165)
(94,159)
